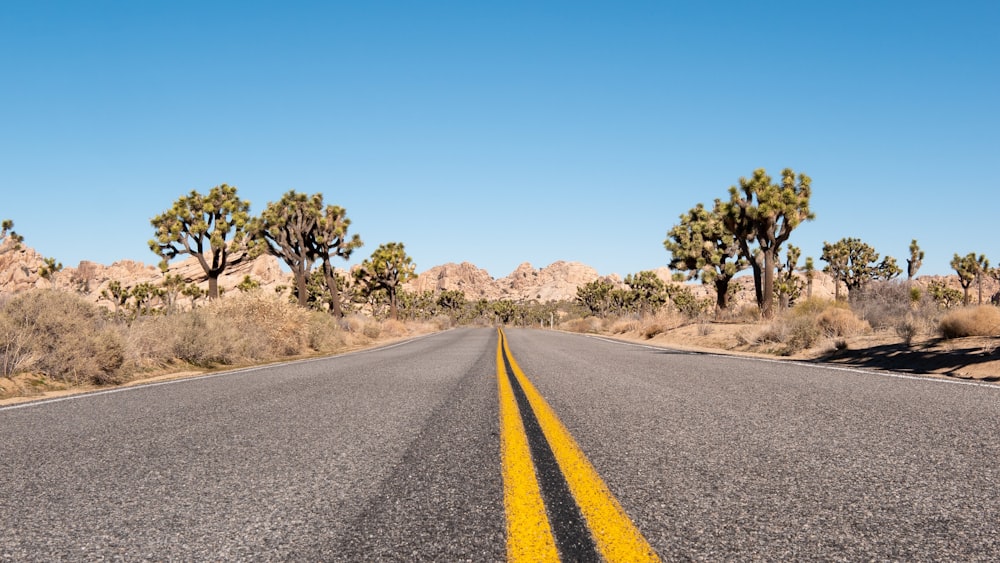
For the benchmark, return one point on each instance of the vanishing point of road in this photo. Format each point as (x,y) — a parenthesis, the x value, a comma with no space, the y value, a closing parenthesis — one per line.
(482,445)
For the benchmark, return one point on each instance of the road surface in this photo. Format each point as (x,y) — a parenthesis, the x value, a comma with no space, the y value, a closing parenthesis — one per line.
(395,454)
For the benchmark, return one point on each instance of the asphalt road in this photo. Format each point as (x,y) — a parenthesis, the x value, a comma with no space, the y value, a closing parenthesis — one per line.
(394,454)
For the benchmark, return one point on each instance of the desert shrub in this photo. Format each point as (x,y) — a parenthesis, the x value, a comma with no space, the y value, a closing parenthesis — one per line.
(649,330)
(837,321)
(372,329)
(685,301)
(587,325)
(624,325)
(908,329)
(796,332)
(61,336)
(16,354)
(971,321)
(325,333)
(804,325)
(883,304)
(241,328)
(393,329)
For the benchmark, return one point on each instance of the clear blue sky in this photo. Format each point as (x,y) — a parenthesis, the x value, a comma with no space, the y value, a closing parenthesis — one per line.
(502,132)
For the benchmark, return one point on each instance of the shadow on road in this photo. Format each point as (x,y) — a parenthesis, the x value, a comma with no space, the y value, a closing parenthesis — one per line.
(931,358)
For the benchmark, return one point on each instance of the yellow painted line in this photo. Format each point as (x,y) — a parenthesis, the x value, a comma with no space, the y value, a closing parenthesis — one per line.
(529,536)
(615,534)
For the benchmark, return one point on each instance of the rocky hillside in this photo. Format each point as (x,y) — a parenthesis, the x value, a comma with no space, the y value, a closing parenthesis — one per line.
(555,282)
(19,272)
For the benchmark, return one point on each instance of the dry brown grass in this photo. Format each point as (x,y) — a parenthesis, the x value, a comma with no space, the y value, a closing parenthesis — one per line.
(52,337)
(810,321)
(59,335)
(971,321)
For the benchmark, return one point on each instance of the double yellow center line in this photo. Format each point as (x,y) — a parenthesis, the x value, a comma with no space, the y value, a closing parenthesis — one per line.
(556,504)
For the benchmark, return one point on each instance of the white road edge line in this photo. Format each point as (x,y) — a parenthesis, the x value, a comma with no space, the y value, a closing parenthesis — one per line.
(240,371)
(892,374)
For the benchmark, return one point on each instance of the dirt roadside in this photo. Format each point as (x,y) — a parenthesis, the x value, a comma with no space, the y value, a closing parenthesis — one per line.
(972,358)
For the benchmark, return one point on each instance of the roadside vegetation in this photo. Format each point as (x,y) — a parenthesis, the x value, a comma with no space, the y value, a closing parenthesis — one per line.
(756,292)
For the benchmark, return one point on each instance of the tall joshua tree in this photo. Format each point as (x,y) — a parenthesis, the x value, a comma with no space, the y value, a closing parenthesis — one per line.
(969,268)
(286,228)
(211,227)
(701,245)
(914,261)
(388,268)
(329,240)
(761,212)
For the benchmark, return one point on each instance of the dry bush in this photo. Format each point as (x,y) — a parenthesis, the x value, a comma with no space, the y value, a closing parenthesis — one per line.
(372,330)
(393,329)
(588,325)
(896,306)
(625,325)
(243,328)
(650,330)
(61,336)
(804,325)
(836,321)
(971,321)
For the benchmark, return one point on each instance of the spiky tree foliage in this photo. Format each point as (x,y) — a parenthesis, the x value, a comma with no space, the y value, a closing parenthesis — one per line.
(702,246)
(764,213)
(969,268)
(286,228)
(193,292)
(915,260)
(388,269)
(649,293)
(211,227)
(330,240)
(787,285)
(595,296)
(171,288)
(7,234)
(48,269)
(809,271)
(452,301)
(117,294)
(855,263)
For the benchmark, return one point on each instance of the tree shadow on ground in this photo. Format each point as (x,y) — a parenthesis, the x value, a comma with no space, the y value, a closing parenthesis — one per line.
(935,357)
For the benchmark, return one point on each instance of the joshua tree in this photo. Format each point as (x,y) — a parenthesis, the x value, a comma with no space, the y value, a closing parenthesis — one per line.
(209,227)
(764,213)
(329,240)
(787,286)
(595,296)
(648,292)
(855,263)
(970,268)
(702,246)
(285,227)
(48,269)
(7,234)
(810,272)
(914,261)
(388,269)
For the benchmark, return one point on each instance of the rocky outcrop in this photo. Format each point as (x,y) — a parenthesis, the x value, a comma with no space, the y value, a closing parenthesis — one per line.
(555,282)
(19,272)
(475,282)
